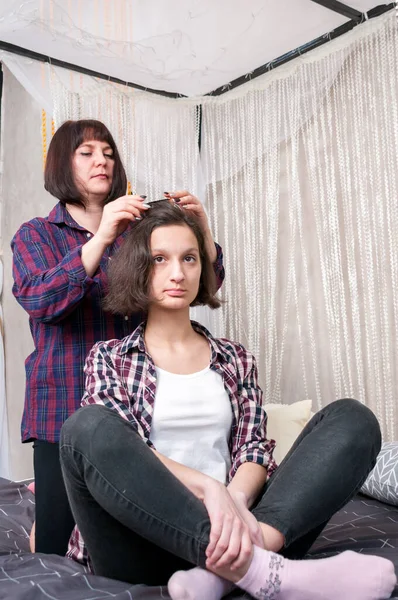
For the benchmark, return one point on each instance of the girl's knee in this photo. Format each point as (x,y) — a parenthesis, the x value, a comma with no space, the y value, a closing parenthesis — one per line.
(81,424)
(359,421)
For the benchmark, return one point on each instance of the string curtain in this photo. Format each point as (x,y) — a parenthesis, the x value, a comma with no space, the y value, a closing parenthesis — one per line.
(298,173)
(302,193)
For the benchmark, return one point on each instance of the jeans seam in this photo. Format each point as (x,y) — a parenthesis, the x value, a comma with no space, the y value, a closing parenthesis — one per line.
(185,533)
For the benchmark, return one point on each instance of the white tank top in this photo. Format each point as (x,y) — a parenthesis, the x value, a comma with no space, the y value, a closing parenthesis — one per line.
(192,421)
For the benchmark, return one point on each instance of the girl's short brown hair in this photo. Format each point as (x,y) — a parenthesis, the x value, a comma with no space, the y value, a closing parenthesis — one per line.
(129,271)
(59,178)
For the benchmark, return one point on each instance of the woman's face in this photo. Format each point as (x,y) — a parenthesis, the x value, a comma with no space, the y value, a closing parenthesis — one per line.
(93,165)
(176,267)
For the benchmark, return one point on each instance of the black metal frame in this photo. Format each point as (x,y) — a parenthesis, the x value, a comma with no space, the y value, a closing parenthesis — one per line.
(281,60)
(72,67)
(342,9)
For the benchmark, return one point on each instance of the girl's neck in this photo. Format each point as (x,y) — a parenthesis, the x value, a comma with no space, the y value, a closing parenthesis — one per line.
(168,328)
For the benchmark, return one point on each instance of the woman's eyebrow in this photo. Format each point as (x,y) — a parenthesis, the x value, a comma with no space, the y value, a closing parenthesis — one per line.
(90,145)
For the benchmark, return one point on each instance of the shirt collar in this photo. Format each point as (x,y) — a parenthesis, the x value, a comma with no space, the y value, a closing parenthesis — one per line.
(60,215)
(135,341)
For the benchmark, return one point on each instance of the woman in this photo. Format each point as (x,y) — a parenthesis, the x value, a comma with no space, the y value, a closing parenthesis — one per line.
(60,279)
(167,464)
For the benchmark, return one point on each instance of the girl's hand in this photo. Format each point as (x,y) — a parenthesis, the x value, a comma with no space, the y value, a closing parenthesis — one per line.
(241,504)
(117,215)
(230,544)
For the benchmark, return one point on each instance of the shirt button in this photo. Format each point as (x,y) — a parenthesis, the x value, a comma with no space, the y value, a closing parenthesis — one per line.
(126,318)
(88,234)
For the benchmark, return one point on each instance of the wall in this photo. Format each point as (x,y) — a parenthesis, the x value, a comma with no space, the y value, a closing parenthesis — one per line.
(23,198)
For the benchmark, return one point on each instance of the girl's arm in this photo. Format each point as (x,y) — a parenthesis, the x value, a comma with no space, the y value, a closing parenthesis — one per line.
(249,437)
(229,539)
(248,482)
(197,482)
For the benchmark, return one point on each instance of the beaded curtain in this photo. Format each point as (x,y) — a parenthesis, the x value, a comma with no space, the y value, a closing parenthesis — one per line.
(304,201)
(298,173)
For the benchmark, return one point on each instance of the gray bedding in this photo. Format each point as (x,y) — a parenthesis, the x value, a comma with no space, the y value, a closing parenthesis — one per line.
(363,525)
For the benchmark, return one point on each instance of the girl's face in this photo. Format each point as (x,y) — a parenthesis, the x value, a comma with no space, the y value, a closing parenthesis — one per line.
(176,267)
(93,165)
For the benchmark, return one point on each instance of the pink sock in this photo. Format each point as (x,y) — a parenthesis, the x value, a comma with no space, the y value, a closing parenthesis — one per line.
(197,584)
(347,576)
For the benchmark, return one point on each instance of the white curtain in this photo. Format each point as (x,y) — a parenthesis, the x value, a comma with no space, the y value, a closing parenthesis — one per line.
(299,168)
(302,189)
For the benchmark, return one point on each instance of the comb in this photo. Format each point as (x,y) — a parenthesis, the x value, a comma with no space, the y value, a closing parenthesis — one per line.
(155,201)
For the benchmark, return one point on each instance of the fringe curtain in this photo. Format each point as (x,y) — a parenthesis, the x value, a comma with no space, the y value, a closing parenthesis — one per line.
(299,174)
(305,204)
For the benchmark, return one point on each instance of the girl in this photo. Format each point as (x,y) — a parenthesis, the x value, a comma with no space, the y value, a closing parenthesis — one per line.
(167,464)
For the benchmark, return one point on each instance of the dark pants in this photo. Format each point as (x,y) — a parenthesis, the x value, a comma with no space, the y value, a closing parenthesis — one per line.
(54,519)
(141,524)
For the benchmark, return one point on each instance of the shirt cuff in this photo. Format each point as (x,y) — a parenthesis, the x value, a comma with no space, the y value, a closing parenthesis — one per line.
(218,265)
(255,455)
(74,267)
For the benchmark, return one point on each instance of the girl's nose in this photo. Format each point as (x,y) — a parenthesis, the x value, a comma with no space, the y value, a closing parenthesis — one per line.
(177,274)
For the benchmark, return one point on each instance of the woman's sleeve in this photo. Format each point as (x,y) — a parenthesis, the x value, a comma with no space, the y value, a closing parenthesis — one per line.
(104,385)
(250,442)
(47,289)
(219,267)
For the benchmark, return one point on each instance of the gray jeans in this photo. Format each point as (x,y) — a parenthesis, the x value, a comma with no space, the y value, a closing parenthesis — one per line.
(141,524)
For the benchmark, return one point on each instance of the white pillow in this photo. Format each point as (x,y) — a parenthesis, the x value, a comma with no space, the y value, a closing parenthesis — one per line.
(285,423)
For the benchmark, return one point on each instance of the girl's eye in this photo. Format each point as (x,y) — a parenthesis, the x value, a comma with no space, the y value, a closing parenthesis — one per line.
(190,259)
(85,153)
(109,155)
(158,259)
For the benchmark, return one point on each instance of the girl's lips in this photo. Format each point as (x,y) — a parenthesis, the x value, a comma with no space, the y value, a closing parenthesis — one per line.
(100,176)
(175,292)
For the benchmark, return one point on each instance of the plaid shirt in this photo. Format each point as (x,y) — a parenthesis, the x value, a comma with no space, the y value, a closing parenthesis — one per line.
(120,375)
(65,316)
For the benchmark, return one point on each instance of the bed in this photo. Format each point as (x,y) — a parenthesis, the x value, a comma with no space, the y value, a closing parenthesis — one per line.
(364,525)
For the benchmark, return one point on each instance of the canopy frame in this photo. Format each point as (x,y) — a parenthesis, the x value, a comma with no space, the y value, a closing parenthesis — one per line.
(355,16)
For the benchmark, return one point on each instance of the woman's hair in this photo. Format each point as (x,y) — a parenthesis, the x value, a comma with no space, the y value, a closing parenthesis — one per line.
(129,271)
(59,177)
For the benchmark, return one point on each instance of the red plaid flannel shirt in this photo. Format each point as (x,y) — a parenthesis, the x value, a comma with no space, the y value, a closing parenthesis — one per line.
(121,375)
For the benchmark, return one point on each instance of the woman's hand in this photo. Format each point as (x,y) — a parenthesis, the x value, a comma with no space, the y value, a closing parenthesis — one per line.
(187,201)
(241,504)
(190,202)
(115,218)
(117,215)
(230,544)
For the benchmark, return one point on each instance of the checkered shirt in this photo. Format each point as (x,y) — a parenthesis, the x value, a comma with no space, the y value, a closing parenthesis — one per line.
(120,375)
